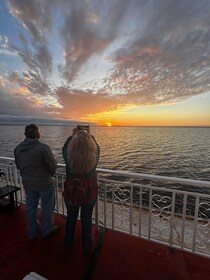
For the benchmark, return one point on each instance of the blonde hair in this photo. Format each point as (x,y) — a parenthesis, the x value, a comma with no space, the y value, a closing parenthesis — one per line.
(82,153)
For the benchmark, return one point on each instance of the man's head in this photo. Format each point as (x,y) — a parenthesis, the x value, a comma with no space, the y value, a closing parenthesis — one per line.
(32,131)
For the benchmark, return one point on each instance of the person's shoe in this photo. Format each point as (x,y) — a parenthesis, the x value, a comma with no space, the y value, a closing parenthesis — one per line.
(55,229)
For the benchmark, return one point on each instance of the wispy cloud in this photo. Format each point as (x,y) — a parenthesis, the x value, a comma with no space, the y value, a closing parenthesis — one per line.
(86,32)
(150,52)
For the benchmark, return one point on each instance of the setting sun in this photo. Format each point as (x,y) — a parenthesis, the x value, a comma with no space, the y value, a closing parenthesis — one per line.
(143,78)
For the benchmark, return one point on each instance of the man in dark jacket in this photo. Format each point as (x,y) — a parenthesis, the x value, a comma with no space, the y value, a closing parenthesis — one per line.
(37,167)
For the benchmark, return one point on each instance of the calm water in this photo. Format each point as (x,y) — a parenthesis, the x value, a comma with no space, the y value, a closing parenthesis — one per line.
(181,152)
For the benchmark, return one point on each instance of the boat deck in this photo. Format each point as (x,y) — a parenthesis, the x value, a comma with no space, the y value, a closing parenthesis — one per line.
(116,255)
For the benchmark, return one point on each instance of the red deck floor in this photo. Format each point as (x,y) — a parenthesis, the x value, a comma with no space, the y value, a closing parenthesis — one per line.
(116,256)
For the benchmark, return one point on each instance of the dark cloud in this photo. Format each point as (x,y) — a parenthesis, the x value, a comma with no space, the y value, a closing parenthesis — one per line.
(86,33)
(32,82)
(35,16)
(16,104)
(158,53)
(24,120)
(44,60)
(23,108)
(39,61)
(37,19)
(169,60)
(14,77)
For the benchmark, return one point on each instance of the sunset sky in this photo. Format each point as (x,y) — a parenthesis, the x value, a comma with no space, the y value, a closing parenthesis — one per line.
(108,62)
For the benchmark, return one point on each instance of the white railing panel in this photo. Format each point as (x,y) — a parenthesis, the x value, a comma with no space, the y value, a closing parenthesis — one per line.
(151,208)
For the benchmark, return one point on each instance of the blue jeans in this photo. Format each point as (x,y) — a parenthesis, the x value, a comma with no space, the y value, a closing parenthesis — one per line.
(47,205)
(86,220)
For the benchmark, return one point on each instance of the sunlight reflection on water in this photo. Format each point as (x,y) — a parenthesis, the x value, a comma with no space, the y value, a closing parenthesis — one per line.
(182,152)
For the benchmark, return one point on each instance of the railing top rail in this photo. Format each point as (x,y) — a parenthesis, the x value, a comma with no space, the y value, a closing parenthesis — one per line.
(166,190)
(156,177)
(7,158)
(151,177)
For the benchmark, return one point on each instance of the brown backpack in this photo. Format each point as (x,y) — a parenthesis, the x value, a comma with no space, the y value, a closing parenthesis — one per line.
(76,190)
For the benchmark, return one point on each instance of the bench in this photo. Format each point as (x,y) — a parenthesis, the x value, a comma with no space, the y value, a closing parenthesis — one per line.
(10,191)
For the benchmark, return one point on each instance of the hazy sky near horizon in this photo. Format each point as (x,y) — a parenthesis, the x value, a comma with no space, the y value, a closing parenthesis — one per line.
(123,62)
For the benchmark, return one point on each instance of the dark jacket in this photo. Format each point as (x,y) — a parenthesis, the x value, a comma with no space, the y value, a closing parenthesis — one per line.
(36,164)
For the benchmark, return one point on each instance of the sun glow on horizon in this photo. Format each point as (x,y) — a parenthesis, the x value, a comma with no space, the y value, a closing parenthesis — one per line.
(183,113)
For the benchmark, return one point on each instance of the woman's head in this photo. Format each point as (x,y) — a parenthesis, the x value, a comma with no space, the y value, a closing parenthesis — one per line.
(82,153)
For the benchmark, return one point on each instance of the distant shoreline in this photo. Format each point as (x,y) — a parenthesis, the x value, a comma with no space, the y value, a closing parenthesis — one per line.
(94,125)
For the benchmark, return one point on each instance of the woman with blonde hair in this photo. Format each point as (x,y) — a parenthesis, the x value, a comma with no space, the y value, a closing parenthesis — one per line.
(81,154)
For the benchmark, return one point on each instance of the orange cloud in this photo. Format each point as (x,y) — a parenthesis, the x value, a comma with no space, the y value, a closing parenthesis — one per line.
(83,104)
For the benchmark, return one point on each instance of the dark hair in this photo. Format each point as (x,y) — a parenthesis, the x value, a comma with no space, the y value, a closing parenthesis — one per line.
(32,131)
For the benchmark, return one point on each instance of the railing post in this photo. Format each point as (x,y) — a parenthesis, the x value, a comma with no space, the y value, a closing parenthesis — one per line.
(131,211)
(56,191)
(96,214)
(105,204)
(96,209)
(172,218)
(113,209)
(62,201)
(14,173)
(195,223)
(140,210)
(183,221)
(150,214)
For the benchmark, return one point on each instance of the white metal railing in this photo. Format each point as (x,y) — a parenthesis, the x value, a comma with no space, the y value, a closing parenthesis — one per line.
(158,208)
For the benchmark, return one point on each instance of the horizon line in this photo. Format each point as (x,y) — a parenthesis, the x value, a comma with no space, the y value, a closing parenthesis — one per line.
(96,125)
